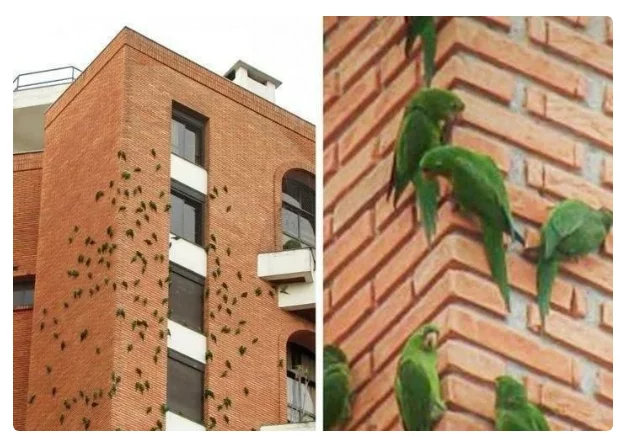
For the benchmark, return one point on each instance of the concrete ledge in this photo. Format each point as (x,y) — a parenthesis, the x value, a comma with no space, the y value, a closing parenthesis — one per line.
(297,297)
(286,266)
(307,426)
(188,255)
(188,174)
(174,422)
(187,342)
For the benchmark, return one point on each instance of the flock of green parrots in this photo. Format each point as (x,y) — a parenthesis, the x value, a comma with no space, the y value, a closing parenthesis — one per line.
(423,152)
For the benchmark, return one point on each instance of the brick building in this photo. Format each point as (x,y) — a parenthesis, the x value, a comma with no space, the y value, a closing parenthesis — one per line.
(152,202)
(538,95)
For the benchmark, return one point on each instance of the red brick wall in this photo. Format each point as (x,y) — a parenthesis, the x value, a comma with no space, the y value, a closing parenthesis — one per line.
(123,102)
(26,200)
(538,94)
(22,323)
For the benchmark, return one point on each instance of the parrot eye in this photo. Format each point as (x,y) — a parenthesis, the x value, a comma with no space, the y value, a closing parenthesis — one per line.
(430,340)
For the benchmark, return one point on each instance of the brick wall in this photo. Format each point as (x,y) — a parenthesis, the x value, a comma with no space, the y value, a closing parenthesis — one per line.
(538,95)
(123,101)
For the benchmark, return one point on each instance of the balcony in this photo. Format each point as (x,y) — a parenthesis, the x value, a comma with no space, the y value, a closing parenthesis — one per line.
(33,93)
(287,266)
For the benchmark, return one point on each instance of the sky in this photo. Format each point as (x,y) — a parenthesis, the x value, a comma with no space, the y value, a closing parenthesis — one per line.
(288,48)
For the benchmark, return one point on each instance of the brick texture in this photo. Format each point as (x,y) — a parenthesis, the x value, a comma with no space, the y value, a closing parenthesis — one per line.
(538,93)
(122,102)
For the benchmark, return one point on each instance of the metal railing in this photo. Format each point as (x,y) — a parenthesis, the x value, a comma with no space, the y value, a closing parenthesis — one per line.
(44,78)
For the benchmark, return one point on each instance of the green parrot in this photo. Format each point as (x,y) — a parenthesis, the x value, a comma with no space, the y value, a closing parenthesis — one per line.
(478,187)
(573,229)
(513,412)
(425,27)
(427,123)
(417,381)
(336,387)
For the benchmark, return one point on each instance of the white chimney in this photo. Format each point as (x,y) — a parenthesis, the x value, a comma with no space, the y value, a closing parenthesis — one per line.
(253,80)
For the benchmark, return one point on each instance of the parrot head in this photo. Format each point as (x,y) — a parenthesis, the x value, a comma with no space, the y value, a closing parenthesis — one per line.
(509,391)
(438,161)
(426,338)
(333,355)
(607,217)
(438,104)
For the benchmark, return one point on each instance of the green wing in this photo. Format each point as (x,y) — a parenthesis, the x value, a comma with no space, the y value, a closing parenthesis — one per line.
(429,45)
(565,219)
(413,393)
(427,195)
(335,395)
(537,419)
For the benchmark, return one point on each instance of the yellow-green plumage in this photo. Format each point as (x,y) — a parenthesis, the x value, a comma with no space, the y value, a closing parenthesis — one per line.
(426,120)
(478,187)
(513,412)
(336,387)
(417,385)
(573,229)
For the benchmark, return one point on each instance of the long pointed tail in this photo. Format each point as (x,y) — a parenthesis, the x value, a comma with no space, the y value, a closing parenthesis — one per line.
(518,237)
(496,256)
(427,193)
(547,270)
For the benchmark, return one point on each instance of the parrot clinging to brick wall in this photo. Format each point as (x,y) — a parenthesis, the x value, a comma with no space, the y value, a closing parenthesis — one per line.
(336,387)
(425,28)
(513,412)
(573,229)
(417,381)
(478,188)
(426,124)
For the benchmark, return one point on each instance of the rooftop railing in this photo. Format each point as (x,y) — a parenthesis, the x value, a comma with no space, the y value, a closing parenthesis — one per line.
(45,78)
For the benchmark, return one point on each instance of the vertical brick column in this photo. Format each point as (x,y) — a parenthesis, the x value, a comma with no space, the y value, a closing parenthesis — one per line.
(538,100)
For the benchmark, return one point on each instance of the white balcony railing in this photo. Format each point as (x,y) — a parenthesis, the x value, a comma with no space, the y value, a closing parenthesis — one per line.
(287,266)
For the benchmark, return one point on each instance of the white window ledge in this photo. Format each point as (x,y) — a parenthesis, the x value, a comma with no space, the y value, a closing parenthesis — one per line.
(307,426)
(188,255)
(174,422)
(188,173)
(187,342)
(295,297)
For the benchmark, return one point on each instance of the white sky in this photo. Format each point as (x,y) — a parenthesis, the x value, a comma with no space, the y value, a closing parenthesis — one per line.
(287,48)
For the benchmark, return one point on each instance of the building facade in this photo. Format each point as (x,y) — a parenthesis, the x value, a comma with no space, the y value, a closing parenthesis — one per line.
(538,96)
(153,202)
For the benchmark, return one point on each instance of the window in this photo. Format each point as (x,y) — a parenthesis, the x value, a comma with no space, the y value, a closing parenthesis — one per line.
(187,208)
(23,294)
(187,134)
(298,208)
(185,386)
(301,387)
(186,291)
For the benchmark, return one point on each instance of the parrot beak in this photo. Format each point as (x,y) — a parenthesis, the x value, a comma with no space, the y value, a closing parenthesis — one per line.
(430,340)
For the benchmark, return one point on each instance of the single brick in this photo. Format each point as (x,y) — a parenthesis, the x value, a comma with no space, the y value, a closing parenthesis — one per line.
(461,357)
(605,385)
(482,143)
(330,161)
(607,316)
(458,421)
(330,89)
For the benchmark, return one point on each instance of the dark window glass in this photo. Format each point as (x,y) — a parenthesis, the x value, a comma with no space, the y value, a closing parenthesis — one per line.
(301,386)
(185,386)
(186,218)
(186,300)
(298,217)
(23,294)
(187,132)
